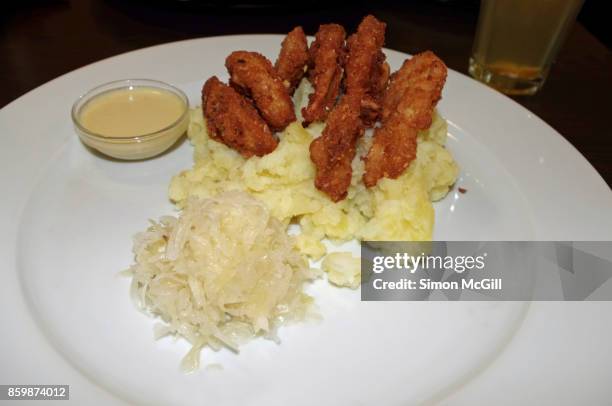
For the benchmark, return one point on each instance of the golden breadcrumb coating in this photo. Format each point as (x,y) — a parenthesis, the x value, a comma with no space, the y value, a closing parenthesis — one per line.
(333,152)
(293,58)
(366,70)
(327,55)
(253,75)
(232,120)
(408,107)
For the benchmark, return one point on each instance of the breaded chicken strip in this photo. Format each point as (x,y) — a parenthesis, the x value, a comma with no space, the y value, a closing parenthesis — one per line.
(293,59)
(327,55)
(366,78)
(333,152)
(395,143)
(253,74)
(425,66)
(366,70)
(232,120)
(371,107)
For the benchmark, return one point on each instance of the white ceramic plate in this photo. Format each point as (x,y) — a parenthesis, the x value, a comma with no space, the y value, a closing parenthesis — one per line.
(69,215)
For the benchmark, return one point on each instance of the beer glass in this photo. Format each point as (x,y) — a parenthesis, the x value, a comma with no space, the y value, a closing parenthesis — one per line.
(517,41)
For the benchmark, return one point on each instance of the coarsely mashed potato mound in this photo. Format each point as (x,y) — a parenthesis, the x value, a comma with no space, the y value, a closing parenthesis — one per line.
(342,269)
(225,270)
(395,209)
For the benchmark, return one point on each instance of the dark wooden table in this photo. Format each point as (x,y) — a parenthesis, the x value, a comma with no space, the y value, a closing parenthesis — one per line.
(41,40)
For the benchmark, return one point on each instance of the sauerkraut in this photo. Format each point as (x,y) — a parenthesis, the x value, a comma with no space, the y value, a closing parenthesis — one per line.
(222,272)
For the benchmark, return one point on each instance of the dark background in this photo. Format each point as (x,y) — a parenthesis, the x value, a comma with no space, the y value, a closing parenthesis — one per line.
(43,39)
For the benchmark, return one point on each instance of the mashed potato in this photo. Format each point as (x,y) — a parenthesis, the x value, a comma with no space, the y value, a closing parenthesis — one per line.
(342,269)
(395,209)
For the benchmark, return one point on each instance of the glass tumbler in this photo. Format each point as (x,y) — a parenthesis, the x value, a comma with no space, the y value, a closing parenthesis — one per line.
(517,41)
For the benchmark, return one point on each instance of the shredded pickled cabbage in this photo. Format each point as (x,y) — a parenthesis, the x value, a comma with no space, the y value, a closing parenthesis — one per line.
(222,272)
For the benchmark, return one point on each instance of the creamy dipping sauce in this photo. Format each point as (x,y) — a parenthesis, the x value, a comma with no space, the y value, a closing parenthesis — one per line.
(131,111)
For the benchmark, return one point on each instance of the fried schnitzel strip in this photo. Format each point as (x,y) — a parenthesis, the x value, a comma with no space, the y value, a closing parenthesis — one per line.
(253,74)
(395,143)
(333,152)
(366,70)
(293,59)
(232,120)
(422,67)
(327,54)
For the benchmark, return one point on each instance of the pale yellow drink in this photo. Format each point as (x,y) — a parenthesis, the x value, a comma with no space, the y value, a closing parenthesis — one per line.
(517,41)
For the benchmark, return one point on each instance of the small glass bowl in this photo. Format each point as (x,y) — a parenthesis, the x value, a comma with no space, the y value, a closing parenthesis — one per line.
(131,147)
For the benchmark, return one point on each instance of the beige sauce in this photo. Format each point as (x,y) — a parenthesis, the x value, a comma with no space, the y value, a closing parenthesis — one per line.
(131,112)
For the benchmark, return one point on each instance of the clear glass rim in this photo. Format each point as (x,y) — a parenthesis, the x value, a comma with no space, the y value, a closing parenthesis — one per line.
(121,84)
